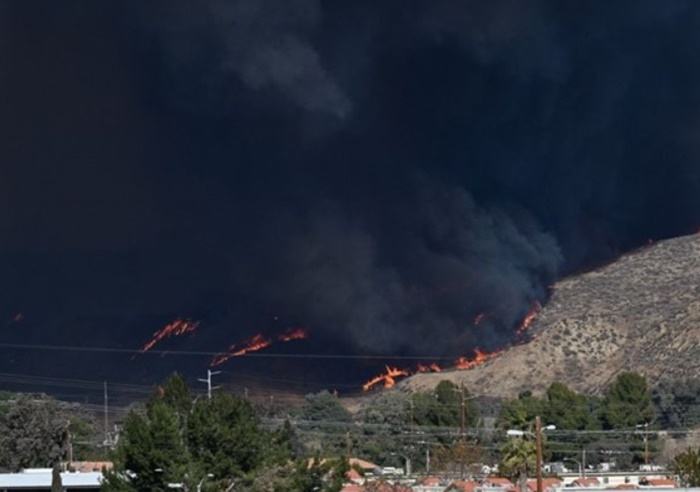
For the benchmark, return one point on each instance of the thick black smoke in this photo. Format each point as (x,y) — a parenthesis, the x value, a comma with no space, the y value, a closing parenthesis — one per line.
(378,172)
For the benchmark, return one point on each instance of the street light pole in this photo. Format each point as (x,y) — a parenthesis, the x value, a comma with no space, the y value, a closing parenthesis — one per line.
(199,485)
(538,442)
(462,429)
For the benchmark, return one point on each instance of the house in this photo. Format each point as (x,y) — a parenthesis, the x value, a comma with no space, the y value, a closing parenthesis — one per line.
(365,466)
(37,479)
(548,484)
(463,486)
(658,482)
(625,486)
(353,476)
(89,466)
(352,487)
(585,482)
(498,482)
(431,481)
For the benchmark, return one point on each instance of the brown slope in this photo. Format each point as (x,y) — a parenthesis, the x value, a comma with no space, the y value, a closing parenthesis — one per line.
(641,313)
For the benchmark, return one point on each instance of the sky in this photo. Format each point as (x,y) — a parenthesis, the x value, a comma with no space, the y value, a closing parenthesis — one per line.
(379,173)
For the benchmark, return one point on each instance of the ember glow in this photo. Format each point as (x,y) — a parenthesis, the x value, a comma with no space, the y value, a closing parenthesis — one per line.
(292,334)
(258,342)
(525,325)
(389,378)
(175,328)
(428,368)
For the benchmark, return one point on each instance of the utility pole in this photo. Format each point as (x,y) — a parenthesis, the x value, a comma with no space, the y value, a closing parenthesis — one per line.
(462,430)
(538,443)
(210,373)
(106,414)
(69,440)
(646,444)
(645,436)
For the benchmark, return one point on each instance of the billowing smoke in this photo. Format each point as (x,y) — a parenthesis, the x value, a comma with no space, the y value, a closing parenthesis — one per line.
(380,173)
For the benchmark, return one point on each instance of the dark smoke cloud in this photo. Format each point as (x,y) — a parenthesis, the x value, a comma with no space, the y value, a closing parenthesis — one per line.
(424,273)
(380,172)
(266,45)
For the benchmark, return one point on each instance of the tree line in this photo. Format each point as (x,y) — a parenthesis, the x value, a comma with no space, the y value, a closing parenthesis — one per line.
(176,438)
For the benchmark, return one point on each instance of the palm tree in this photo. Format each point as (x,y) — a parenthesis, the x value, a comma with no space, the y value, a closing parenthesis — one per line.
(518,459)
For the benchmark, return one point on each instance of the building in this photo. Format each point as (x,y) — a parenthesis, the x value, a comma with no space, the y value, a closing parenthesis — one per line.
(39,479)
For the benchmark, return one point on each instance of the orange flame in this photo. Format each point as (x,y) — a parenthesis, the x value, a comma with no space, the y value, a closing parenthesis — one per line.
(389,378)
(173,329)
(480,357)
(429,368)
(292,334)
(258,342)
(536,308)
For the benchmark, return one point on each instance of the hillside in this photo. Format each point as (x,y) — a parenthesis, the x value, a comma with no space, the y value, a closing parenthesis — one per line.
(640,313)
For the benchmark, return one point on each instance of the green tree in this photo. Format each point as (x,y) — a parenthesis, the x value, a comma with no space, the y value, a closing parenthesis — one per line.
(150,453)
(687,466)
(566,409)
(520,413)
(324,476)
(677,404)
(33,433)
(175,393)
(224,437)
(326,407)
(627,402)
(518,458)
(178,441)
(387,420)
(443,407)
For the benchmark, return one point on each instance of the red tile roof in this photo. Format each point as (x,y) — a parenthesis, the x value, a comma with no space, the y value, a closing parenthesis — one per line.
(90,466)
(625,486)
(352,487)
(353,474)
(497,482)
(465,485)
(585,482)
(660,482)
(365,465)
(547,482)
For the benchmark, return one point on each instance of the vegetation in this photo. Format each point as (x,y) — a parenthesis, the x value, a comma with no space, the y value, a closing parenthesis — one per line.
(687,466)
(215,442)
(34,431)
(175,438)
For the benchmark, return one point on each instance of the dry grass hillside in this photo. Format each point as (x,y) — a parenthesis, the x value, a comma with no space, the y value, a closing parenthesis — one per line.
(641,313)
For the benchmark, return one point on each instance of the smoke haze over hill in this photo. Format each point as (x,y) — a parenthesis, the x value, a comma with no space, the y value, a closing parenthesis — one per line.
(379,173)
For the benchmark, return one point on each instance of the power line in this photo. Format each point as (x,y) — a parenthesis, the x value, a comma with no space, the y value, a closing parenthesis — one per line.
(77,348)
